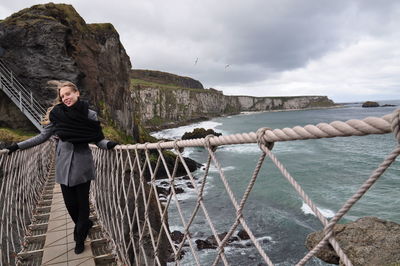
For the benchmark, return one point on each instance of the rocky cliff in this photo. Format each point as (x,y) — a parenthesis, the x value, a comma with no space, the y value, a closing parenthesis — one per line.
(159,107)
(52,41)
(159,77)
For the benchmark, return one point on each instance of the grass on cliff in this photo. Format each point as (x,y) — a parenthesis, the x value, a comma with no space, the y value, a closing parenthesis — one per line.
(14,135)
(135,83)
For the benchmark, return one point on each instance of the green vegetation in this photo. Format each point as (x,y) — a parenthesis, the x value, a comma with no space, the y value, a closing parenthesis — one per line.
(27,19)
(229,109)
(101,27)
(50,12)
(155,121)
(144,135)
(14,135)
(139,83)
(114,134)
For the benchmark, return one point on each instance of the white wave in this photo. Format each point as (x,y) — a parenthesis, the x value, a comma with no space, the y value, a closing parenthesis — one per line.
(242,148)
(242,245)
(251,112)
(189,193)
(325,212)
(176,133)
(187,152)
(213,168)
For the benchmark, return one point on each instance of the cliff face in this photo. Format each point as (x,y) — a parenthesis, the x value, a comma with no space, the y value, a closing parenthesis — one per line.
(160,107)
(248,103)
(52,41)
(12,117)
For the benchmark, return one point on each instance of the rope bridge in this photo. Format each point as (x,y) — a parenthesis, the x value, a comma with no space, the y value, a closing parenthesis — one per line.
(23,176)
(135,216)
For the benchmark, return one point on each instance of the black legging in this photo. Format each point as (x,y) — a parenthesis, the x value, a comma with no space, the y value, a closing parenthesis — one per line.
(76,200)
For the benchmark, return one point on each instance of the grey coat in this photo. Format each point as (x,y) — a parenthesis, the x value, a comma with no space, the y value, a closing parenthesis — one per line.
(74,164)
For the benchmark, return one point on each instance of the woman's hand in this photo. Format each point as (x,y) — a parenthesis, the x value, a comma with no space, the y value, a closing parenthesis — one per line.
(12,148)
(111,144)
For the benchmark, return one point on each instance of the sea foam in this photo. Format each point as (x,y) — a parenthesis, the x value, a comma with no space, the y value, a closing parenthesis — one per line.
(176,133)
(325,212)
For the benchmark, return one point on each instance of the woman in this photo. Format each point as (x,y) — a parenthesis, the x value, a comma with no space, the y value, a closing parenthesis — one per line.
(75,125)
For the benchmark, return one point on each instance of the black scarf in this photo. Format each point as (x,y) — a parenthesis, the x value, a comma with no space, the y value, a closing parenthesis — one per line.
(73,125)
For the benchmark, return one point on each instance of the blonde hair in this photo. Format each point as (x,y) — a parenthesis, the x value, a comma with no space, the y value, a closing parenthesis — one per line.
(58,84)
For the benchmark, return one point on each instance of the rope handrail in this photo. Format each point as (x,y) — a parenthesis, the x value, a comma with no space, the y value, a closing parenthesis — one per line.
(136,216)
(132,192)
(353,127)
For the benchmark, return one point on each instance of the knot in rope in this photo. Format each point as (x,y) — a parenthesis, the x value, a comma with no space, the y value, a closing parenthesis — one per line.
(159,144)
(396,124)
(145,145)
(176,147)
(261,140)
(207,143)
(136,146)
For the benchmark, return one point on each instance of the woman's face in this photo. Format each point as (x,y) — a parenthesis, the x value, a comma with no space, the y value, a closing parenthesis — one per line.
(68,96)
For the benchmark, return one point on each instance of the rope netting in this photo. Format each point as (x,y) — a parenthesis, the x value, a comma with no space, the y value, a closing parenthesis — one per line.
(136,216)
(22,178)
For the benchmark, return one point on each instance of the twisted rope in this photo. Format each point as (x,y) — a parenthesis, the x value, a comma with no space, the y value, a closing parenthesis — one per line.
(353,127)
(135,211)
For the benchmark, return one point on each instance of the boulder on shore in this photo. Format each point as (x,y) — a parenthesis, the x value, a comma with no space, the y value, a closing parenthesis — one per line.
(367,241)
(370,104)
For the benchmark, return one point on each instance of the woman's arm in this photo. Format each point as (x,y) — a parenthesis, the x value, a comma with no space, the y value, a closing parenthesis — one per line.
(104,143)
(42,137)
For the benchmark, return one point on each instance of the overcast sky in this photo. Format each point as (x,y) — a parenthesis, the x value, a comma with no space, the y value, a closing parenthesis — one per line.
(347,50)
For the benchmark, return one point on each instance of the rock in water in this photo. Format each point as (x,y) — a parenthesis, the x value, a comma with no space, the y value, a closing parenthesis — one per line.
(367,241)
(177,236)
(243,235)
(370,104)
(199,133)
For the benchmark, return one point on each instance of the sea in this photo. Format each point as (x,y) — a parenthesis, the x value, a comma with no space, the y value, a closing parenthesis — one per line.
(329,171)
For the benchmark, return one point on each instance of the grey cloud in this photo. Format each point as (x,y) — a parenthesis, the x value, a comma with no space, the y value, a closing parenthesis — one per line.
(259,39)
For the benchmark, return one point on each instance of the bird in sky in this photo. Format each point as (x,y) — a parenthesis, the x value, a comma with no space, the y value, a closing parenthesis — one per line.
(227,66)
(195,62)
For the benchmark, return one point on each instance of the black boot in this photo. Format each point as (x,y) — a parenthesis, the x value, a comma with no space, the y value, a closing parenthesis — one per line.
(79,247)
(75,234)
(90,225)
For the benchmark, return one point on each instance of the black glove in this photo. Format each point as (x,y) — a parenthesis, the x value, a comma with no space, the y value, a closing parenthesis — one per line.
(12,148)
(111,144)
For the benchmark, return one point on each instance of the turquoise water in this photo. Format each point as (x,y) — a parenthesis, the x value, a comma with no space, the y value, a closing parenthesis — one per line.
(329,170)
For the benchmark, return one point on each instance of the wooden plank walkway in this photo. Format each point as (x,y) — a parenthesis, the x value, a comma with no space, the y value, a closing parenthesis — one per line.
(59,245)
(50,240)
